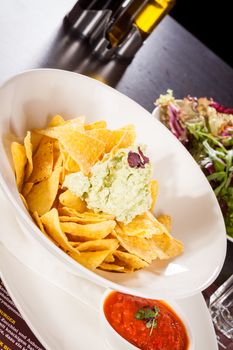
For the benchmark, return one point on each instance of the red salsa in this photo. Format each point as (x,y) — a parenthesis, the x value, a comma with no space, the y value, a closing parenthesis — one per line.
(148,324)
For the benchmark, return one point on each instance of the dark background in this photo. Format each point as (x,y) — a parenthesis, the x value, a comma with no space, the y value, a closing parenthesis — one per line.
(210,21)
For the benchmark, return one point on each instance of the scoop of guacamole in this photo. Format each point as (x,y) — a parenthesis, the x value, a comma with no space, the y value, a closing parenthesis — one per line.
(119,185)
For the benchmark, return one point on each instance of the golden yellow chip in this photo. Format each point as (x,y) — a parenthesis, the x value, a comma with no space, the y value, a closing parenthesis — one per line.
(159,246)
(126,140)
(38,221)
(35,140)
(28,149)
(89,231)
(101,124)
(81,219)
(51,223)
(130,261)
(65,211)
(57,131)
(87,216)
(167,247)
(166,221)
(24,201)
(154,193)
(109,259)
(158,225)
(68,199)
(121,138)
(97,216)
(103,135)
(83,149)
(56,121)
(142,226)
(139,246)
(91,260)
(42,161)
(111,267)
(43,194)
(75,244)
(19,162)
(57,157)
(71,166)
(98,244)
(27,188)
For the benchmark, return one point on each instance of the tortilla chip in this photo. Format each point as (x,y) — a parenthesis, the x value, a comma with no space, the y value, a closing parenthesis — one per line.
(83,149)
(71,166)
(57,157)
(35,140)
(24,201)
(98,244)
(91,260)
(109,259)
(154,193)
(166,220)
(167,247)
(19,162)
(130,261)
(75,244)
(83,219)
(42,161)
(103,135)
(51,223)
(28,149)
(43,194)
(27,188)
(56,121)
(139,246)
(121,138)
(111,267)
(97,216)
(65,211)
(56,132)
(38,221)
(142,226)
(68,199)
(88,232)
(96,125)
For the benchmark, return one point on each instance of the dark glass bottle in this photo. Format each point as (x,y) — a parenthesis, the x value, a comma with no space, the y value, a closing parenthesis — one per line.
(94,5)
(123,22)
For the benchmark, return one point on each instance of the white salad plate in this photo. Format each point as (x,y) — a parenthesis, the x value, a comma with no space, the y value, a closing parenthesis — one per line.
(26,102)
(63,310)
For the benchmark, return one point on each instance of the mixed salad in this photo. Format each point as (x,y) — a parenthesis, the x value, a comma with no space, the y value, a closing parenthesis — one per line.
(206,128)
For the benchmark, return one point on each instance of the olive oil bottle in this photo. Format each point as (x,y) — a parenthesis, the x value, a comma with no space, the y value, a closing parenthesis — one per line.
(122,24)
(151,15)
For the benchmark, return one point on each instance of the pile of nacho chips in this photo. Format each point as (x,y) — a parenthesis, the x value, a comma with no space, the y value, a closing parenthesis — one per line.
(95,240)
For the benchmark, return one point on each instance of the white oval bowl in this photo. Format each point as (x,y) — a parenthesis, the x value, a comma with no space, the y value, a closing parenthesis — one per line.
(27,100)
(116,341)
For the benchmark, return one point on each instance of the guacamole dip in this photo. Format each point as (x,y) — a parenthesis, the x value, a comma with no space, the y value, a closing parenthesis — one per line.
(120,185)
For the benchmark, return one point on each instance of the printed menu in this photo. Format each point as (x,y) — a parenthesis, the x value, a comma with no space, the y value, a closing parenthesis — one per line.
(14,332)
(16,335)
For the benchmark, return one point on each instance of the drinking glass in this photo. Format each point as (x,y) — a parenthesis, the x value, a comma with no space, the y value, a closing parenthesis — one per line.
(221,308)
